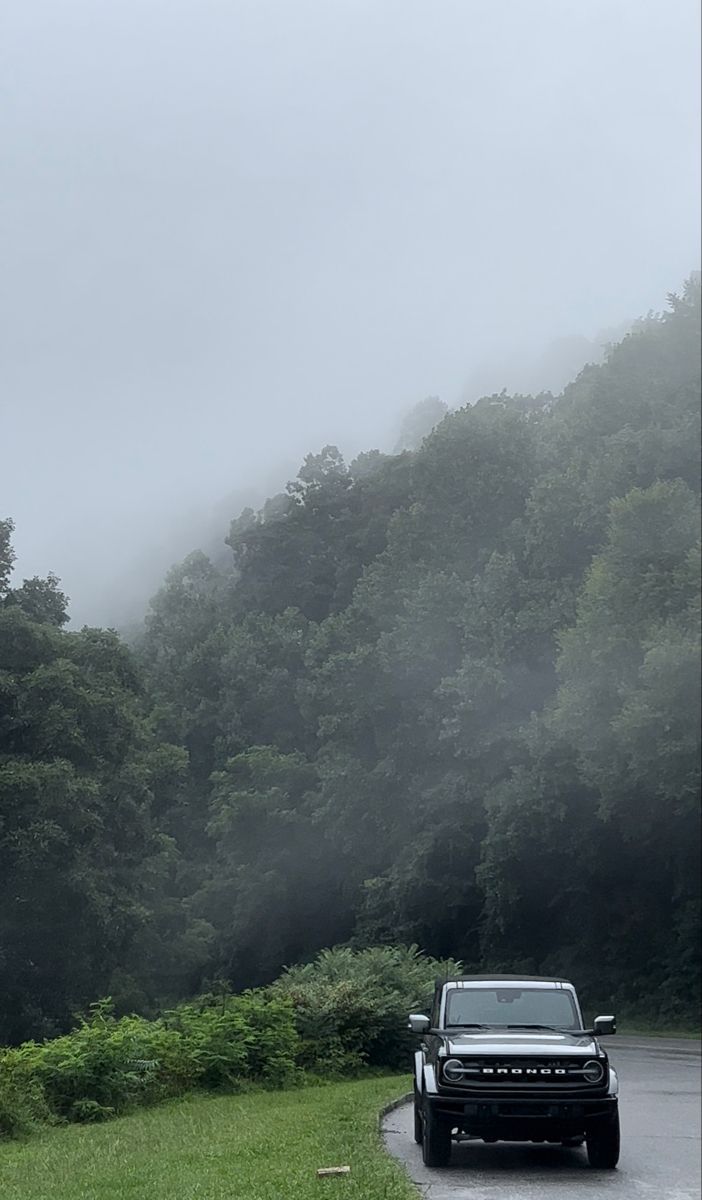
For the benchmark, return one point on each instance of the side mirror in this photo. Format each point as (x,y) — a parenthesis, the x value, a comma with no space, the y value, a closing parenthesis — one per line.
(419,1023)
(604,1025)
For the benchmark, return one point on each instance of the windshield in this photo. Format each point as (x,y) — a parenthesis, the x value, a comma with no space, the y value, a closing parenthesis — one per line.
(511,1006)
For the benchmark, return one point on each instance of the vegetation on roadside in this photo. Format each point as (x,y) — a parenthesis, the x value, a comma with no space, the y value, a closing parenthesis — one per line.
(351,1006)
(635,1028)
(261,1145)
(108,1066)
(345,1013)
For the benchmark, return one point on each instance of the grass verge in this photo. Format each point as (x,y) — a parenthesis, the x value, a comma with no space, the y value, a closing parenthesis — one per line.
(641,1029)
(258,1146)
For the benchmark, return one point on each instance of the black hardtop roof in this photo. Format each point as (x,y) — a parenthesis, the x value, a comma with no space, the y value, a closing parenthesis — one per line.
(448,979)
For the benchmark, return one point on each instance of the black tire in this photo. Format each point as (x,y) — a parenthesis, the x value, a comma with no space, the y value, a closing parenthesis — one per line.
(436,1140)
(418,1122)
(603,1143)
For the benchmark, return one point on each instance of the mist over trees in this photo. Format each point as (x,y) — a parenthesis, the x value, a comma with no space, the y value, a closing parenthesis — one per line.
(448,696)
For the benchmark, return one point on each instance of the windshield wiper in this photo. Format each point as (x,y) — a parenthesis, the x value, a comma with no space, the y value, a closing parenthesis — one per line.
(462,1026)
(555,1028)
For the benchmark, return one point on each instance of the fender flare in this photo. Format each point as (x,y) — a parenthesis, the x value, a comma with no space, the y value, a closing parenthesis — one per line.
(430,1080)
(424,1075)
(418,1071)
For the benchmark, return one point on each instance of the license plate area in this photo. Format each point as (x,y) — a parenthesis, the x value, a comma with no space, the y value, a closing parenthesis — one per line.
(515,1108)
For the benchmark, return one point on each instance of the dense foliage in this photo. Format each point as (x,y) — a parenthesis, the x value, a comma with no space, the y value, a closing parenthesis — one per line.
(446,697)
(351,1006)
(328,1019)
(83,865)
(106,1066)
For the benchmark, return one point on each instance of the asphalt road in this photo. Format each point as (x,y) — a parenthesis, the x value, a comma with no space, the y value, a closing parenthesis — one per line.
(659,1097)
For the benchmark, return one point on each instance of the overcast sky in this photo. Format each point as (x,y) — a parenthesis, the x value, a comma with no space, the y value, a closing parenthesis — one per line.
(234,230)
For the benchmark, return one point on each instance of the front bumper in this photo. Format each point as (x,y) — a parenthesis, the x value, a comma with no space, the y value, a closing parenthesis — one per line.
(521,1116)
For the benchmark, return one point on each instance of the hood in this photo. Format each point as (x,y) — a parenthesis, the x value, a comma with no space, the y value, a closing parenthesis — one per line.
(520,1042)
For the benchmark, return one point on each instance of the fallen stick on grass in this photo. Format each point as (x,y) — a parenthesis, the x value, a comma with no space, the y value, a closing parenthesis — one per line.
(322,1171)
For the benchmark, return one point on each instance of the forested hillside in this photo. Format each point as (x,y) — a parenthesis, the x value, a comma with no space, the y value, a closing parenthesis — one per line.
(447,697)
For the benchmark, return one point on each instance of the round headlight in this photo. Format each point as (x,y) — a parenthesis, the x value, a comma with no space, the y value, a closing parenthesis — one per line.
(593,1071)
(453,1070)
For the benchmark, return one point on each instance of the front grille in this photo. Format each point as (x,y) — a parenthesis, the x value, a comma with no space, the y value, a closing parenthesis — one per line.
(522,1073)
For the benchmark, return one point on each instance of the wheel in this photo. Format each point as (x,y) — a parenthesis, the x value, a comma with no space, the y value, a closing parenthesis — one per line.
(418,1122)
(436,1140)
(603,1143)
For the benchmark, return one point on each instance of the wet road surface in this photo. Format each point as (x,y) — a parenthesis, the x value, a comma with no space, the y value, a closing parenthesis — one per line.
(659,1098)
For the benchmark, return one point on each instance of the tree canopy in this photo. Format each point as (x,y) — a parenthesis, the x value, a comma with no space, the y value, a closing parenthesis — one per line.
(447,697)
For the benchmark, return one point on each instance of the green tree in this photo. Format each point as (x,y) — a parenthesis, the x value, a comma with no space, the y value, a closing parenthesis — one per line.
(274,891)
(41,599)
(78,842)
(7,554)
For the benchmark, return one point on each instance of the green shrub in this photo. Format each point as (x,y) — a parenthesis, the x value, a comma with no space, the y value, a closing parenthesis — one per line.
(106,1066)
(22,1101)
(351,1006)
(246,1037)
(109,1066)
(346,1010)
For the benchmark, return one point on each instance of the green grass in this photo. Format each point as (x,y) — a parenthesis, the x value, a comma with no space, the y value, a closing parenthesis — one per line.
(642,1029)
(257,1146)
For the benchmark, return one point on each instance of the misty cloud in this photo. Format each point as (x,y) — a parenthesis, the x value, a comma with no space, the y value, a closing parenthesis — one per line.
(236,231)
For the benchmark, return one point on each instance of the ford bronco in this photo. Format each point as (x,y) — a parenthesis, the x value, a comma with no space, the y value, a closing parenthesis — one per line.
(507,1058)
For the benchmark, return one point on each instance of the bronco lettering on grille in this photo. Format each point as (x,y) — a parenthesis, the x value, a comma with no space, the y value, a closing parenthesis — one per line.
(523,1071)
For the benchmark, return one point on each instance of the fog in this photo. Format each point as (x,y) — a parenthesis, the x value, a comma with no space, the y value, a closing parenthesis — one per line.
(236,230)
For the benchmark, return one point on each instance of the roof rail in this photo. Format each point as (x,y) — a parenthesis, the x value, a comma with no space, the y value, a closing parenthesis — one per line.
(500,979)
